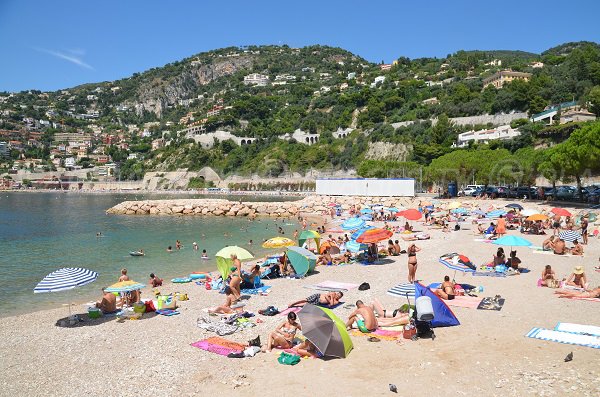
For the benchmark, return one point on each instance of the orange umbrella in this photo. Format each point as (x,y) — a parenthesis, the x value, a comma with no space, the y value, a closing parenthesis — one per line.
(537,217)
(333,248)
(411,215)
(374,236)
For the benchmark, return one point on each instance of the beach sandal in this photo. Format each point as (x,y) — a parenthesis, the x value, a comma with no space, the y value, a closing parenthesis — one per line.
(374,339)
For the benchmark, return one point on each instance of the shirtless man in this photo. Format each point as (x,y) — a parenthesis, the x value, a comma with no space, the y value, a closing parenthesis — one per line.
(124,276)
(556,224)
(577,248)
(548,244)
(559,247)
(108,304)
(397,247)
(446,290)
(364,316)
(325,259)
(325,299)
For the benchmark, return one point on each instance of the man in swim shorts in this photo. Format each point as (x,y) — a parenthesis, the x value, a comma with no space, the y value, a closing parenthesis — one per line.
(364,317)
(108,304)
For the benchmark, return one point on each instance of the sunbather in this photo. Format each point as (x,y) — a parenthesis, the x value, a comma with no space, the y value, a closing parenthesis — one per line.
(324,299)
(577,278)
(446,290)
(420,236)
(577,248)
(155,281)
(513,261)
(397,247)
(284,335)
(548,275)
(248,278)
(559,247)
(344,258)
(108,304)
(225,308)
(325,259)
(565,293)
(387,317)
(548,244)
(364,317)
(306,349)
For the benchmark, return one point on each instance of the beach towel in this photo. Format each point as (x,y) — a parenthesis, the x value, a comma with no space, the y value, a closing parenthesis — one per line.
(328,289)
(565,337)
(167,312)
(578,298)
(255,291)
(219,328)
(469,302)
(218,345)
(290,310)
(490,304)
(578,329)
(542,252)
(482,240)
(337,285)
(356,332)
(488,274)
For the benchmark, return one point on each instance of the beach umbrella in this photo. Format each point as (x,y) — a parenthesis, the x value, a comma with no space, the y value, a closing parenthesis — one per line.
(302,260)
(333,248)
(458,263)
(125,286)
(374,235)
(65,279)
(278,242)
(224,261)
(393,209)
(515,206)
(366,211)
(411,214)
(529,212)
(512,241)
(402,290)
(367,217)
(537,217)
(495,214)
(309,235)
(590,215)
(352,224)
(454,204)
(325,330)
(459,210)
(355,246)
(560,212)
(360,231)
(569,235)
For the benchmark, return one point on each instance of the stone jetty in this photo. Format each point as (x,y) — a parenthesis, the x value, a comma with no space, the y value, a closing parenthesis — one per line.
(221,207)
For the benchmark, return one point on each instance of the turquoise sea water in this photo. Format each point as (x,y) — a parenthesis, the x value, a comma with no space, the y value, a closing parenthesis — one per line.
(42,232)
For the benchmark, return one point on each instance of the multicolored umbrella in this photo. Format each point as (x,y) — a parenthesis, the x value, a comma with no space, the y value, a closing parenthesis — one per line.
(325,330)
(125,286)
(457,262)
(224,260)
(65,279)
(302,260)
(411,214)
(352,224)
(355,246)
(560,212)
(569,235)
(360,231)
(278,242)
(374,235)
(309,235)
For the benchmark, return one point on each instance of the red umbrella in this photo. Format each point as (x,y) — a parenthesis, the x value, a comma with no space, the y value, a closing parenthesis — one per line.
(374,236)
(332,205)
(560,212)
(411,215)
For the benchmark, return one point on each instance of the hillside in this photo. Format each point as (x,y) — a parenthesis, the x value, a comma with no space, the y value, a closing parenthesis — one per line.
(253,109)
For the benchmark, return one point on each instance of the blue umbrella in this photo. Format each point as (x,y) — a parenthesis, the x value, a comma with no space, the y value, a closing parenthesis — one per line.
(512,241)
(393,209)
(65,279)
(360,231)
(367,217)
(352,224)
(366,211)
(495,214)
(355,246)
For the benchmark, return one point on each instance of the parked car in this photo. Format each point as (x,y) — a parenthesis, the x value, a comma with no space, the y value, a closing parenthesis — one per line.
(477,192)
(570,193)
(522,192)
(594,196)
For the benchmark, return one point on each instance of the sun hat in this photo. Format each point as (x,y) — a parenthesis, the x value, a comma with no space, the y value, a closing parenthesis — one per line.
(578,270)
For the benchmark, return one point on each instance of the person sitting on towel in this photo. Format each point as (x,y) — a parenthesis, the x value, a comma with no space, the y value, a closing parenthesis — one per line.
(548,275)
(560,247)
(284,335)
(446,290)
(344,258)
(325,299)
(248,278)
(577,248)
(577,278)
(364,317)
(548,244)
(306,349)
(227,307)
(325,259)
(513,261)
(567,293)
(108,304)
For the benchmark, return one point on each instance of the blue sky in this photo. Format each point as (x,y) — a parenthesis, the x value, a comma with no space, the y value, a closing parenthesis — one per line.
(53,44)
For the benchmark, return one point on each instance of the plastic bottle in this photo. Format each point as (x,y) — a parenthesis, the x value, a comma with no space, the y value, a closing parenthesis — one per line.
(480,288)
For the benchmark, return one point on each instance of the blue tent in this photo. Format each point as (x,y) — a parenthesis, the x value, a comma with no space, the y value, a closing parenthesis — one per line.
(443,316)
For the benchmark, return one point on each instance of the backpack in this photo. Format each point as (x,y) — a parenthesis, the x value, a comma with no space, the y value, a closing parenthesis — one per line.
(364,287)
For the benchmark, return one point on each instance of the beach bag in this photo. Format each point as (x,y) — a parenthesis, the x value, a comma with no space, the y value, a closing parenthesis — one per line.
(182,297)
(409,331)
(166,302)
(288,359)
(149,306)
(553,283)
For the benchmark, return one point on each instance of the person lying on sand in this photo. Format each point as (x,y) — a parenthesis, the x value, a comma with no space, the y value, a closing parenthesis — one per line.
(108,304)
(344,258)
(420,236)
(364,317)
(565,293)
(560,247)
(577,278)
(548,275)
(324,299)
(446,290)
(325,259)
(284,334)
(396,317)
(548,244)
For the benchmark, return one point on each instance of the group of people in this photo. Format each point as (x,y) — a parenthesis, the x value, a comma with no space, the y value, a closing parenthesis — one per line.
(558,246)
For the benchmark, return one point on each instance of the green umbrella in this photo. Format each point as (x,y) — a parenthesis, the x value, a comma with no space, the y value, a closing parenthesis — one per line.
(309,235)
(224,261)
(303,261)
(325,330)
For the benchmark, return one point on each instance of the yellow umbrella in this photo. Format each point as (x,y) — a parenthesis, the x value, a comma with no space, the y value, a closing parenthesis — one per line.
(454,205)
(537,217)
(278,242)
(125,286)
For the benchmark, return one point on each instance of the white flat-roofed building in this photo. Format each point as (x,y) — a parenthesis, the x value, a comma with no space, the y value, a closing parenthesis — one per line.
(503,132)
(256,79)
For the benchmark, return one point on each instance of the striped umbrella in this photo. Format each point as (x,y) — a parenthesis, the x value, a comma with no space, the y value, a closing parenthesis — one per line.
(374,235)
(569,235)
(352,224)
(360,231)
(65,279)
(457,262)
(402,290)
(355,246)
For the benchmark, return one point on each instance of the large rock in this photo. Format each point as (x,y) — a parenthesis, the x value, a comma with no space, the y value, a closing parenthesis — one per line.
(177,209)
(218,212)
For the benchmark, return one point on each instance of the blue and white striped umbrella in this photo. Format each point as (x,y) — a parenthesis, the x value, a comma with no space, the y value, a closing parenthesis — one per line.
(570,235)
(355,246)
(401,290)
(65,279)
(360,231)
(352,224)
(457,262)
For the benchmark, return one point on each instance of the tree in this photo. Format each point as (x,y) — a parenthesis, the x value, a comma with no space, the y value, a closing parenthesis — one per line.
(536,105)
(594,99)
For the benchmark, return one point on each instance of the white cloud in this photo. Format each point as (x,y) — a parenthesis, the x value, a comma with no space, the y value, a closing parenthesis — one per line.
(73,56)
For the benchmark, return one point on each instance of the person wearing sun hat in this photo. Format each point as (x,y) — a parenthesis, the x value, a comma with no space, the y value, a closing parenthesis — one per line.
(577,278)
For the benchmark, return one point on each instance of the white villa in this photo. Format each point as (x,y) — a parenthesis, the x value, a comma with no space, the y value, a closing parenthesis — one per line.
(502,132)
(256,79)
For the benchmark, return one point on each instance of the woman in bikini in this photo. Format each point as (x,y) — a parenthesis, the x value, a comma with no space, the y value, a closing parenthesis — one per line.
(567,293)
(236,277)
(412,262)
(283,336)
(446,290)
(548,276)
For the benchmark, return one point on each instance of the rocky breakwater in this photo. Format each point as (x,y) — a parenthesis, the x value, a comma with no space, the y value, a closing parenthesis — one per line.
(220,207)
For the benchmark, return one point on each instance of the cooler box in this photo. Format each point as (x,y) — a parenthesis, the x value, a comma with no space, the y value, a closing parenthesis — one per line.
(94,312)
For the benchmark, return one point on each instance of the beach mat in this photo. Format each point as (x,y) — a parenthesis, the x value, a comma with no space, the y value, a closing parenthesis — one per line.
(401,290)
(489,304)
(218,345)
(337,285)
(255,291)
(488,274)
(578,329)
(356,332)
(564,337)
(469,302)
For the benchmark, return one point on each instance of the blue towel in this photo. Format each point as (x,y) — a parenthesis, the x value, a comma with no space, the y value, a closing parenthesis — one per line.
(255,291)
(167,312)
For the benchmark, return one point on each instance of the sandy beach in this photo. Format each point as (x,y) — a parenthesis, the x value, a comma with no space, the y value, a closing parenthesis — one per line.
(487,355)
